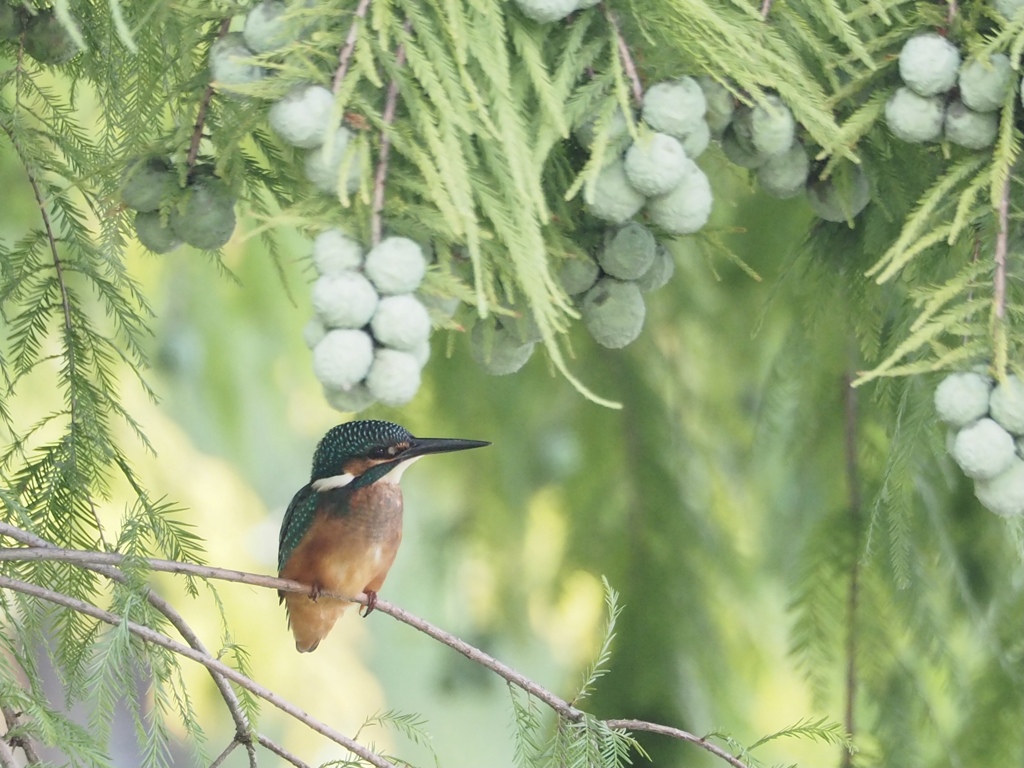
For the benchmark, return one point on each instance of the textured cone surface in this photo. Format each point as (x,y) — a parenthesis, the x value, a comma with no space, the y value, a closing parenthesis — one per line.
(206,217)
(146,182)
(962,397)
(10,22)
(613,311)
(47,41)
(153,234)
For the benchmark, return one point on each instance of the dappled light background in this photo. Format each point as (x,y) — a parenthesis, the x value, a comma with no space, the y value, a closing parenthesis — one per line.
(715,502)
(667,498)
(786,551)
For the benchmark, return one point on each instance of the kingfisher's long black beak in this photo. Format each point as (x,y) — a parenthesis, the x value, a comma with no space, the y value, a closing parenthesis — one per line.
(421,446)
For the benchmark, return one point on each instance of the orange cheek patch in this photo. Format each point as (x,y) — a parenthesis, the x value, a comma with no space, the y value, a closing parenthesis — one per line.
(357,467)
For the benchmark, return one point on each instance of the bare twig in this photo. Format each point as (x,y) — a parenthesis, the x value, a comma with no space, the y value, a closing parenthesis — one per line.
(345,56)
(997,322)
(560,705)
(152,636)
(11,718)
(676,733)
(627,58)
(6,755)
(380,177)
(281,752)
(951,11)
(555,702)
(224,755)
(204,105)
(999,287)
(93,559)
(766,8)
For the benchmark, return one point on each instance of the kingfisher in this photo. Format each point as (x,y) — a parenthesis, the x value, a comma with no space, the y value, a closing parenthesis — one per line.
(341,531)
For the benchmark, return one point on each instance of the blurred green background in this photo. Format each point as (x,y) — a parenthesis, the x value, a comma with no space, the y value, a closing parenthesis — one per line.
(666,498)
(698,501)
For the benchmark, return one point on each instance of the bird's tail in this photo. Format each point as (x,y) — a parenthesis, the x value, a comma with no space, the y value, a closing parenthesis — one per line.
(311,620)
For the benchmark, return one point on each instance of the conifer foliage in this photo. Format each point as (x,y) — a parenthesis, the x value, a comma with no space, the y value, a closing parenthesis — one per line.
(520,170)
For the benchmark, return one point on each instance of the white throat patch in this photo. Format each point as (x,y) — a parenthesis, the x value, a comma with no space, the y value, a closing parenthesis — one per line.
(340,481)
(396,474)
(335,481)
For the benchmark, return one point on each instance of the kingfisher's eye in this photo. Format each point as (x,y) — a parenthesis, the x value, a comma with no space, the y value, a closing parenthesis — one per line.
(388,451)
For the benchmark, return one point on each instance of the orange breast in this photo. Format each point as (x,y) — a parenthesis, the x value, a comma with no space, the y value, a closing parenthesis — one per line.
(346,554)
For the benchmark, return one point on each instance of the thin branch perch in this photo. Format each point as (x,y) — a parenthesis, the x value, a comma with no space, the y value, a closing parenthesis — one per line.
(284,754)
(224,755)
(555,702)
(7,759)
(242,725)
(676,733)
(152,636)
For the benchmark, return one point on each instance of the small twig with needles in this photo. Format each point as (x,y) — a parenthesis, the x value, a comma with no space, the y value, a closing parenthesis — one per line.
(65,305)
(1002,240)
(380,177)
(998,320)
(204,106)
(627,58)
(345,56)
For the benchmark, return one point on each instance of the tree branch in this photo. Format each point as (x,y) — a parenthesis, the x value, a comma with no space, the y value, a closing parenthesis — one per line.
(1002,237)
(380,177)
(204,105)
(65,303)
(11,718)
(562,707)
(224,755)
(281,752)
(676,733)
(345,56)
(7,755)
(627,58)
(152,636)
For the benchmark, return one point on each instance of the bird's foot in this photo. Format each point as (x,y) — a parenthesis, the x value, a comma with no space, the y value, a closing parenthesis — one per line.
(371,603)
(315,592)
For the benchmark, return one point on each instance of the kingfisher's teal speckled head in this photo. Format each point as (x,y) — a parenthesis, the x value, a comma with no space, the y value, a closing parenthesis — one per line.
(362,452)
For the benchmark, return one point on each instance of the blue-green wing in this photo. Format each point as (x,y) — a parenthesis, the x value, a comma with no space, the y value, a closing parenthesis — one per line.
(297,519)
